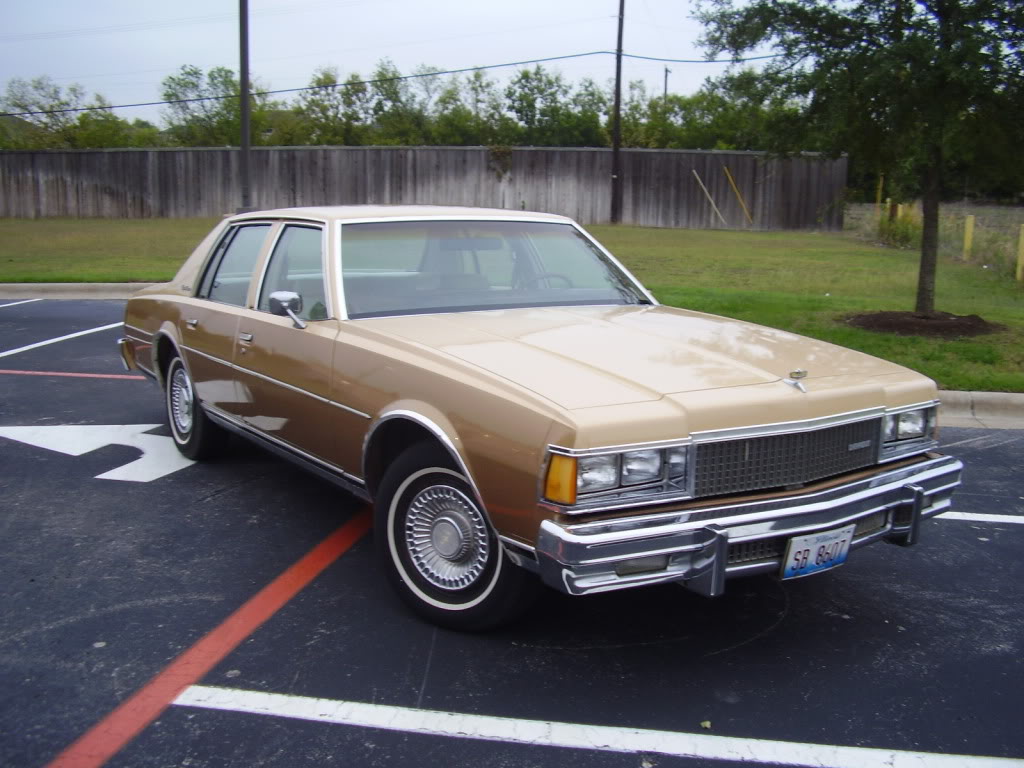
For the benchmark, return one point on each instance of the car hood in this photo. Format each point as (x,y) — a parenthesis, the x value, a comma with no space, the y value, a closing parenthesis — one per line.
(583,357)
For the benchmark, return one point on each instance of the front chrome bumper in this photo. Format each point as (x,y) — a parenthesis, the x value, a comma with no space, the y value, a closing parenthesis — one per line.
(703,547)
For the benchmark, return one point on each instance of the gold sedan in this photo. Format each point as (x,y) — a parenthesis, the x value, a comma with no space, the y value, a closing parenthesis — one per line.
(521,410)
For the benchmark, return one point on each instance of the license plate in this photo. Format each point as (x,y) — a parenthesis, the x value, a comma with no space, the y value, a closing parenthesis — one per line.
(816,552)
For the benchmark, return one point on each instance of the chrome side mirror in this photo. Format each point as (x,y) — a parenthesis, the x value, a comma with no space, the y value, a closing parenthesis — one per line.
(287,303)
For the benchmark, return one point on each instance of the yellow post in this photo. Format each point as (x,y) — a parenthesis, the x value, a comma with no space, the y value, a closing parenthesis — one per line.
(968,236)
(878,194)
(1020,255)
(739,197)
(899,212)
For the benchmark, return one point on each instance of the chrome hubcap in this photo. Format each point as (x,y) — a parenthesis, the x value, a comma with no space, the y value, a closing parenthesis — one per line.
(181,401)
(446,536)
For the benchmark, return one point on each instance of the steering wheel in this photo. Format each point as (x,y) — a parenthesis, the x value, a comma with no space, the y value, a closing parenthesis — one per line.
(528,281)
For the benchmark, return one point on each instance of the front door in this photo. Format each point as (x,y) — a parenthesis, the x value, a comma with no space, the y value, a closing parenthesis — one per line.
(283,371)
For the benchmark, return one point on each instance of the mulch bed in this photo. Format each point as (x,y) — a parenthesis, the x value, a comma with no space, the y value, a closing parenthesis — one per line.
(941,324)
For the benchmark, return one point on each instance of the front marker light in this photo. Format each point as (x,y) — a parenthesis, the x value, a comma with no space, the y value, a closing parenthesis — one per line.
(597,473)
(641,466)
(677,463)
(560,484)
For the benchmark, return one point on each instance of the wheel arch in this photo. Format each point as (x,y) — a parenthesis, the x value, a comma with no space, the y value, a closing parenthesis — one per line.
(397,429)
(164,350)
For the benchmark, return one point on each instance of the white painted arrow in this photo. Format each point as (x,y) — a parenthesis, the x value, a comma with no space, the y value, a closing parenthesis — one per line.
(159,456)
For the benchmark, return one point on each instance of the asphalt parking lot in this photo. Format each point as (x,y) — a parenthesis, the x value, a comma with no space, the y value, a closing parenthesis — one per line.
(161,613)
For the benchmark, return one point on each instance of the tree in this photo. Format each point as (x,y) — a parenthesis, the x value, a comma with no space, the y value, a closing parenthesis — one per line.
(897,82)
(326,110)
(586,124)
(101,128)
(204,109)
(396,116)
(539,102)
(54,127)
(454,123)
(65,120)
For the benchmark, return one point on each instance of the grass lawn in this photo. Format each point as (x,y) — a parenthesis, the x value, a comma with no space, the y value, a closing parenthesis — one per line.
(808,283)
(96,250)
(802,282)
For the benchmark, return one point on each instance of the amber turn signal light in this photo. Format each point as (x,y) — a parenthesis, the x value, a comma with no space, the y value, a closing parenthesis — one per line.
(560,484)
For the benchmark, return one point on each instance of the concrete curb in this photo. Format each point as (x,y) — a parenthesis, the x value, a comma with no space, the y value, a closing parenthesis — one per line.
(994,410)
(984,410)
(69,290)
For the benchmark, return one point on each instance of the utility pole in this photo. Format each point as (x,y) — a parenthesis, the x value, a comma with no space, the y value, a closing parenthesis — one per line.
(617,126)
(665,95)
(243,100)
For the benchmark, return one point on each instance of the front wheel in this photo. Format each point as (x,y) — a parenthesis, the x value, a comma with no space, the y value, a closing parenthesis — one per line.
(194,434)
(439,550)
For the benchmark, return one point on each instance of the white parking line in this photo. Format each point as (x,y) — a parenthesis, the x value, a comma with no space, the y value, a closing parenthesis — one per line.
(982,517)
(571,735)
(16,303)
(26,348)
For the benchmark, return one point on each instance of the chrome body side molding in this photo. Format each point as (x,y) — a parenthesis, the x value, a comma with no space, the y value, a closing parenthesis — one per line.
(327,471)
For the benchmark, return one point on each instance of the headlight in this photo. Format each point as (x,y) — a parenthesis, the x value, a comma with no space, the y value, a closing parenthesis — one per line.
(635,474)
(641,467)
(597,473)
(908,425)
(911,424)
(904,432)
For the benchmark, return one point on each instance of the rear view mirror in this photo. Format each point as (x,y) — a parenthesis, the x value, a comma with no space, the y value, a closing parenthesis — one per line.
(471,244)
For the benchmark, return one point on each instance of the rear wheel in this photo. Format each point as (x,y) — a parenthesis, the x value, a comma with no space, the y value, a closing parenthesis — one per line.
(439,550)
(194,434)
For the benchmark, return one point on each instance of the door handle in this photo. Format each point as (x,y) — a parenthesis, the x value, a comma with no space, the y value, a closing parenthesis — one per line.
(245,336)
(192,323)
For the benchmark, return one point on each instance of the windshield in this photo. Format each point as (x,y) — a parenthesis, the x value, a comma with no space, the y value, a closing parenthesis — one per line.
(415,267)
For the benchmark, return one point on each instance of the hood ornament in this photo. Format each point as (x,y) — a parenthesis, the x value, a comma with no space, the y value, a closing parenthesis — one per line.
(794,379)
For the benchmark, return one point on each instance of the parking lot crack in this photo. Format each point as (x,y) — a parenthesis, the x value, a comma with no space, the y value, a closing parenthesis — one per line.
(426,670)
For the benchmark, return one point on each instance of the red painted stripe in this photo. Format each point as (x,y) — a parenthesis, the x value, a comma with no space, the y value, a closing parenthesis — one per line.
(75,375)
(110,735)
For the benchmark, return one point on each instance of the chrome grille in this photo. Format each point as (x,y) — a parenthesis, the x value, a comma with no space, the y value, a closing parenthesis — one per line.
(767,550)
(776,461)
(752,551)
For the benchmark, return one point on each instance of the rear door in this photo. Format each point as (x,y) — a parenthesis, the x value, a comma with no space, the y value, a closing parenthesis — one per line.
(209,322)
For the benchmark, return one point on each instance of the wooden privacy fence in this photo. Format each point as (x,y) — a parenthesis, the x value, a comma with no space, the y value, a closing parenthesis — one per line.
(661,188)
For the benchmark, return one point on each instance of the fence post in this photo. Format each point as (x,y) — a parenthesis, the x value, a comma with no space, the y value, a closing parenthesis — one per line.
(968,236)
(1020,255)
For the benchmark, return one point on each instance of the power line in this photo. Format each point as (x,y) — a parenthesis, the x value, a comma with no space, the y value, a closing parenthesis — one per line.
(700,61)
(397,78)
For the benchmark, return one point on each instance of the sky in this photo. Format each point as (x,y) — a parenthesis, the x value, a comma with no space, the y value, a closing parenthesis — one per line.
(123,49)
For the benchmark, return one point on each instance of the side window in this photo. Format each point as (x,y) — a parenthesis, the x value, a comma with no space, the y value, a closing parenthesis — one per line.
(230,270)
(296,265)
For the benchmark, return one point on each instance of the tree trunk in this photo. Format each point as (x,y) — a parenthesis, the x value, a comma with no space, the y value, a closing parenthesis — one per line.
(931,189)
